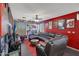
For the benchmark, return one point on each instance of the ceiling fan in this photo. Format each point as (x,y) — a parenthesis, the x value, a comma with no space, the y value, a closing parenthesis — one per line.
(37,17)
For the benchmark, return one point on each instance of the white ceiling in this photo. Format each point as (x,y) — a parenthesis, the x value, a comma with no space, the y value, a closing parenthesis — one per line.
(44,10)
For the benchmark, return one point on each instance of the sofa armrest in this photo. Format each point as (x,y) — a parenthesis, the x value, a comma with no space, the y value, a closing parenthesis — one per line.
(40,49)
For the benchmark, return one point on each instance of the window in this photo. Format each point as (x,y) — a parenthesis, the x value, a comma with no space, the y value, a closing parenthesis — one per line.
(41,27)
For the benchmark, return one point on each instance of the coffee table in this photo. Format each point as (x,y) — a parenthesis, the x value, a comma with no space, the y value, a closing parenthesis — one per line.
(34,41)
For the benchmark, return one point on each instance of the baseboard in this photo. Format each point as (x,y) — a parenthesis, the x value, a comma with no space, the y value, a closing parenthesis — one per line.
(73,48)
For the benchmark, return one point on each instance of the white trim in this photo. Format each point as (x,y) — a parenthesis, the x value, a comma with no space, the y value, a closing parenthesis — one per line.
(73,48)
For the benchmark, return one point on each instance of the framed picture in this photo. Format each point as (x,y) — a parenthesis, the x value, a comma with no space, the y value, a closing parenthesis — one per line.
(54,25)
(46,25)
(70,23)
(77,16)
(61,24)
(50,25)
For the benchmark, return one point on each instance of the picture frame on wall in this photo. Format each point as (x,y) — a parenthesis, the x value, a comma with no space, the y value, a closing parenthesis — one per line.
(54,25)
(61,24)
(46,25)
(70,23)
(77,16)
(50,25)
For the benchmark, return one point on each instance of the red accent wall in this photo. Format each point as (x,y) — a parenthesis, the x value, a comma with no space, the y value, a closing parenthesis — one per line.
(73,39)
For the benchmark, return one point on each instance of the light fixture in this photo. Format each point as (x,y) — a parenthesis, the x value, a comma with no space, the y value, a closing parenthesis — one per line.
(37,19)
(24,17)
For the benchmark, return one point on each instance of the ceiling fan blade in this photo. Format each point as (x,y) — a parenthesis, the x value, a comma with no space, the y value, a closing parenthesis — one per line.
(39,19)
